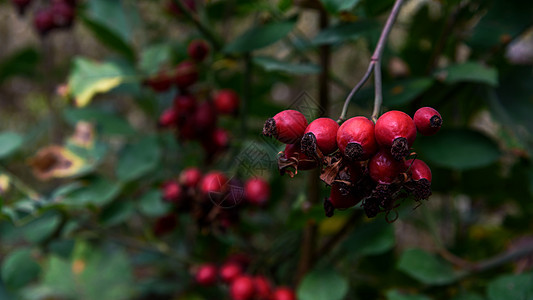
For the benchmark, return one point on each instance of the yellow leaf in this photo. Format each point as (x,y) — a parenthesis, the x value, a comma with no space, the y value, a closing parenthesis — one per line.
(100,86)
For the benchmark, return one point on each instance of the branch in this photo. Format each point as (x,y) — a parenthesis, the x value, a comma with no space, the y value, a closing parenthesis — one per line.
(375,63)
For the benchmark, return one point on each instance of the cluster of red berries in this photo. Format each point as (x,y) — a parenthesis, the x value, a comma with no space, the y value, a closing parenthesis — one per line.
(59,15)
(213,199)
(361,161)
(191,119)
(242,286)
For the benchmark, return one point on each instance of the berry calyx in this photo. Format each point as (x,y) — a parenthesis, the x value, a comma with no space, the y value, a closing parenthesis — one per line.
(206,274)
(287,126)
(257,191)
(427,120)
(226,101)
(230,271)
(172,191)
(420,174)
(321,134)
(198,50)
(283,293)
(185,74)
(214,182)
(242,288)
(384,168)
(396,130)
(356,140)
(190,177)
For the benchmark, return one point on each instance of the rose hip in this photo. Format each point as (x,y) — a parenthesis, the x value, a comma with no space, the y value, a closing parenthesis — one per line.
(242,288)
(383,168)
(257,191)
(226,101)
(287,126)
(321,134)
(427,120)
(198,50)
(206,274)
(396,130)
(356,140)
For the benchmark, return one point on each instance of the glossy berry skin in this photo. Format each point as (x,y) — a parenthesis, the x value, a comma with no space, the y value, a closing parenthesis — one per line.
(294,152)
(165,224)
(341,198)
(396,130)
(186,74)
(230,271)
(283,293)
(418,169)
(356,139)
(206,274)
(168,118)
(43,21)
(427,120)
(323,133)
(242,288)
(263,288)
(257,191)
(287,126)
(214,182)
(226,101)
(172,191)
(190,177)
(383,168)
(161,82)
(198,50)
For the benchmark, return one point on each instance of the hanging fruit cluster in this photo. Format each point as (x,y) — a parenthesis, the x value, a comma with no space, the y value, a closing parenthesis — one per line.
(361,161)
(242,286)
(192,119)
(213,199)
(59,15)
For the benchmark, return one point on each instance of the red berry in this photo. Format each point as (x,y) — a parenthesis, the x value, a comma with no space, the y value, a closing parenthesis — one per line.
(226,101)
(185,105)
(341,196)
(186,74)
(427,120)
(242,288)
(63,14)
(283,293)
(172,191)
(383,168)
(263,288)
(287,126)
(257,191)
(214,182)
(420,175)
(397,131)
(198,50)
(205,118)
(165,224)
(161,82)
(190,177)
(168,118)
(206,274)
(230,271)
(187,129)
(220,139)
(321,134)
(355,138)
(43,21)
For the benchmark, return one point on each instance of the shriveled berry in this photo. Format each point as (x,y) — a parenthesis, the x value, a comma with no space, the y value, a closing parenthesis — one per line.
(257,191)
(356,139)
(287,126)
(165,224)
(420,174)
(168,118)
(396,130)
(198,50)
(172,191)
(263,288)
(294,152)
(160,82)
(185,74)
(427,120)
(242,288)
(384,168)
(321,134)
(230,271)
(43,21)
(226,101)
(205,118)
(283,293)
(214,182)
(206,274)
(342,196)
(190,177)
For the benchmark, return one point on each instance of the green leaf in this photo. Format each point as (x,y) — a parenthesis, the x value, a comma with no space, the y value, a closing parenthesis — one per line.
(107,123)
(344,31)
(42,227)
(97,191)
(119,17)
(460,149)
(116,213)
(371,238)
(272,64)
(468,296)
(404,91)
(19,268)
(426,268)
(152,205)
(397,295)
(323,285)
(259,37)
(22,62)
(335,6)
(9,143)
(138,159)
(90,77)
(517,287)
(109,38)
(469,72)
(154,56)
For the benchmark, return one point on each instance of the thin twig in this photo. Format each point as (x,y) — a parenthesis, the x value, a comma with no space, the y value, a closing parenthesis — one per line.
(378,93)
(375,60)
(208,33)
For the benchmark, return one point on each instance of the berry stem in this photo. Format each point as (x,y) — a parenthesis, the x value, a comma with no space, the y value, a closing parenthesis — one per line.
(378,93)
(204,29)
(374,65)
